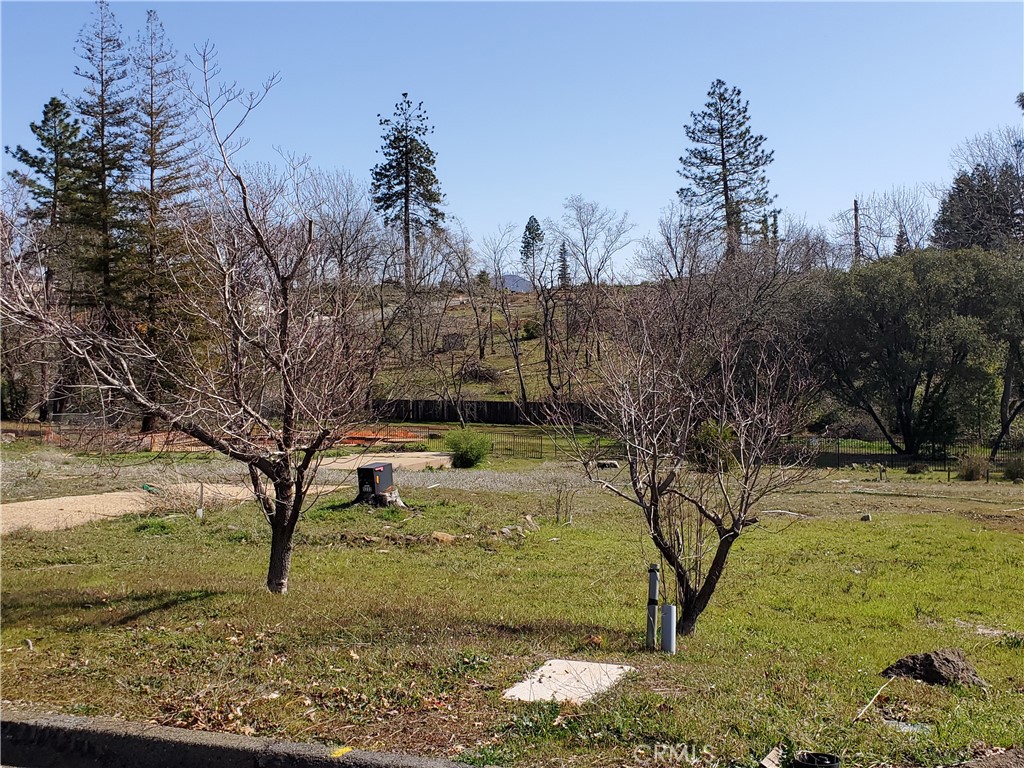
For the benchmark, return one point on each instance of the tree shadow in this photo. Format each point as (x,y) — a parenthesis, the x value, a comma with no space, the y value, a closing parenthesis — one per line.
(81,610)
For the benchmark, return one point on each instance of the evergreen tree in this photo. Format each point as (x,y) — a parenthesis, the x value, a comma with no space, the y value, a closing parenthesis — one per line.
(982,209)
(530,250)
(405,187)
(54,179)
(164,135)
(902,241)
(106,108)
(564,273)
(726,165)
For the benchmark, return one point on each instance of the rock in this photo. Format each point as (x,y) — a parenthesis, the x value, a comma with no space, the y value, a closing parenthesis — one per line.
(866,518)
(1018,481)
(8,437)
(442,538)
(946,666)
(607,464)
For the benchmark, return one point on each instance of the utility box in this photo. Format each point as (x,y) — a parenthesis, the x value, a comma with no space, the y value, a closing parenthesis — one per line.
(375,479)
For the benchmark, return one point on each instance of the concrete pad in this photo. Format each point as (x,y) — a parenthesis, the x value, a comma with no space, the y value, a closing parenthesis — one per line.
(565,680)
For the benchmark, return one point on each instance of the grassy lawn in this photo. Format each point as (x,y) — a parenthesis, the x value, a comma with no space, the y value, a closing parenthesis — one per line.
(390,641)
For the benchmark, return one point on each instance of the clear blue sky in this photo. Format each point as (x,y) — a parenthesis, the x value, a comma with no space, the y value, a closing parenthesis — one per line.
(535,101)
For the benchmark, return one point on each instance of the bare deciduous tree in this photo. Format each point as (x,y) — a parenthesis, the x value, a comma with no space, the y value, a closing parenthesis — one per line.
(592,235)
(274,348)
(883,217)
(700,387)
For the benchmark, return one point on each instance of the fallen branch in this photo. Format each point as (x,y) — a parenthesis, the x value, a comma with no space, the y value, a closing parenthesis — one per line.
(868,705)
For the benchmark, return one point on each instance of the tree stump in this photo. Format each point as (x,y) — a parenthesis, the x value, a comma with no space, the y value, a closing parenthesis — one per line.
(390,498)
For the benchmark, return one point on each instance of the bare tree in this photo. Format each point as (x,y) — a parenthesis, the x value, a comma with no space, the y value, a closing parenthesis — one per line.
(277,354)
(593,236)
(498,251)
(700,387)
(901,215)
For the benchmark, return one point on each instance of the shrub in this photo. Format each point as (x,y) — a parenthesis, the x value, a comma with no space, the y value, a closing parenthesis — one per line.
(415,447)
(712,446)
(1014,469)
(972,468)
(917,468)
(531,330)
(468,448)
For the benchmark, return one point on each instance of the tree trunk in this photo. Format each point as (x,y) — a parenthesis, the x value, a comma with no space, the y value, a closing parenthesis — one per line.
(686,624)
(280,559)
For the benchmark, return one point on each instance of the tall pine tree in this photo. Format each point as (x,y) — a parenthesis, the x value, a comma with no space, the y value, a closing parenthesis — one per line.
(54,179)
(405,187)
(726,165)
(164,132)
(564,272)
(531,249)
(106,109)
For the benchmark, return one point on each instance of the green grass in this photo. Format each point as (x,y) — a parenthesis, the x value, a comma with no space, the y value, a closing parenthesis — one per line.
(389,641)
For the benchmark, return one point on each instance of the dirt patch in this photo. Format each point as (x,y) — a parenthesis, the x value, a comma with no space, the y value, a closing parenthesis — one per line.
(68,511)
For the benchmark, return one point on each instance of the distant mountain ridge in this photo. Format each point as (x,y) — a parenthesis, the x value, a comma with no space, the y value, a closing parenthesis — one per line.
(515,283)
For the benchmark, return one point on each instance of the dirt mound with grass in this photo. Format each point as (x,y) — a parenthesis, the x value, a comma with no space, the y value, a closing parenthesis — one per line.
(946,666)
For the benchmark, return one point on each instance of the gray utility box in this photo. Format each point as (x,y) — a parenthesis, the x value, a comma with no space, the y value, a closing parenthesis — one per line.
(376,479)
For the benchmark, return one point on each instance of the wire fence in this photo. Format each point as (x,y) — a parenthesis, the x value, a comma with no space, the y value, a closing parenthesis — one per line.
(842,452)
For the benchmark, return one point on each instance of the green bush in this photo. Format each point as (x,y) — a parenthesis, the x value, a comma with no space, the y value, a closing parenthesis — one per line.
(468,448)
(1014,469)
(712,446)
(531,330)
(415,447)
(972,468)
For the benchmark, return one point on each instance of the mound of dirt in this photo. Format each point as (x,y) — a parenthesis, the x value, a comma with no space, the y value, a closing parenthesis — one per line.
(946,666)
(1010,758)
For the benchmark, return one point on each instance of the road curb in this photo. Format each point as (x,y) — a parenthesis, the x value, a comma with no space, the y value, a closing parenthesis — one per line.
(36,740)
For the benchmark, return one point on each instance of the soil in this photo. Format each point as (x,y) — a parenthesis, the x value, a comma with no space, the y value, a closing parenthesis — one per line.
(68,511)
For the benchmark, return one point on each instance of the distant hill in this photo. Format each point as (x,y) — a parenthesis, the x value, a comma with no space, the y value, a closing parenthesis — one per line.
(516,283)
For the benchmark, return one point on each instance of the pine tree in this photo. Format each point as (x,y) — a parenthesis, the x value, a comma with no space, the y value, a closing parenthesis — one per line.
(106,108)
(564,273)
(982,209)
(726,166)
(405,187)
(902,241)
(54,179)
(164,136)
(530,250)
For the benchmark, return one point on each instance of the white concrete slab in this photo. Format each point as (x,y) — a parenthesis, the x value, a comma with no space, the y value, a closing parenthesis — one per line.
(565,680)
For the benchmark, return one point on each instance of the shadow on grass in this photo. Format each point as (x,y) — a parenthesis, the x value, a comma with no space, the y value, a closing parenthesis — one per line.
(79,610)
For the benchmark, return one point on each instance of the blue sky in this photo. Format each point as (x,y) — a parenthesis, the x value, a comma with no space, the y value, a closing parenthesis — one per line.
(535,101)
